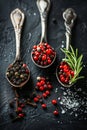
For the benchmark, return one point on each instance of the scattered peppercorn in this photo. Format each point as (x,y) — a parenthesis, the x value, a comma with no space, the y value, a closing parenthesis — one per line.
(47,92)
(21,115)
(56,113)
(22,105)
(54,102)
(44,106)
(44,95)
(19,109)
(36,99)
(43,85)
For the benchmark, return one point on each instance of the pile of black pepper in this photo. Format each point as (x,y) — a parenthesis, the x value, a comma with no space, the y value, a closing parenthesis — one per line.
(17,72)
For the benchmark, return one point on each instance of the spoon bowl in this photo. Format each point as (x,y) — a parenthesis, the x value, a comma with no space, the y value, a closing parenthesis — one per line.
(17,72)
(43,60)
(64,85)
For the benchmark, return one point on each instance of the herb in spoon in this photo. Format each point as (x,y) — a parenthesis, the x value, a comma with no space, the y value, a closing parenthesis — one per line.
(43,55)
(69,69)
(18,72)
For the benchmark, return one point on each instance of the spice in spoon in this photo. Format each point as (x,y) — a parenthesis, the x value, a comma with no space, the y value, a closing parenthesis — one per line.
(17,72)
(43,54)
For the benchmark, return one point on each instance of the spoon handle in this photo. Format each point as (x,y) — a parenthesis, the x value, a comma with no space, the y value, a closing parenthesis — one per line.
(69,16)
(43,6)
(17,18)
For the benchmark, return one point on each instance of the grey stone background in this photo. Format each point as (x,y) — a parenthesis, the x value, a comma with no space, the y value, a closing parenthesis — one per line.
(37,119)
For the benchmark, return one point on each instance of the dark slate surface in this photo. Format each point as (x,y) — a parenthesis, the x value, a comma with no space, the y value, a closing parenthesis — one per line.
(37,119)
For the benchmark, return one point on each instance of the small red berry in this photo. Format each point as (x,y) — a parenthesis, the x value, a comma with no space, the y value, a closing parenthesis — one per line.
(45,63)
(49,86)
(66,70)
(45,86)
(37,53)
(42,78)
(61,75)
(42,82)
(61,66)
(68,73)
(65,67)
(24,65)
(47,92)
(44,57)
(48,58)
(21,115)
(19,109)
(54,53)
(48,51)
(41,46)
(35,58)
(36,99)
(62,78)
(63,63)
(33,52)
(48,46)
(39,96)
(38,84)
(44,95)
(66,81)
(27,71)
(48,83)
(44,106)
(72,72)
(56,113)
(41,88)
(22,105)
(34,47)
(49,61)
(54,101)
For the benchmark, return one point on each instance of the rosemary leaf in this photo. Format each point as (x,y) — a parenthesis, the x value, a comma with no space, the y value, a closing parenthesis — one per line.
(72,51)
(79,62)
(73,81)
(67,52)
(76,52)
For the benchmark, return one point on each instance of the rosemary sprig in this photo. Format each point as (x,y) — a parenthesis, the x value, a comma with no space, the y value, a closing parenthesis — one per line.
(74,61)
